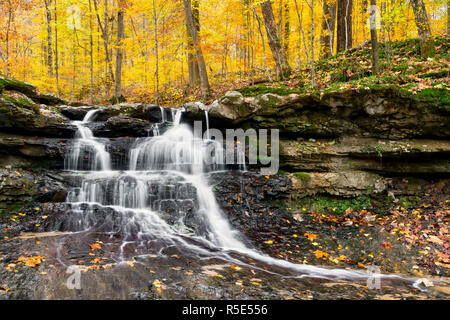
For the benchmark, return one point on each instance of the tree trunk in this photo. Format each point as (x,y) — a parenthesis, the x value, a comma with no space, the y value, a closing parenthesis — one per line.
(374,36)
(263,45)
(193,68)
(8,29)
(328,26)
(448,17)
(56,52)
(312,62)
(344,24)
(119,51)
(104,32)
(155,23)
(278,52)
(49,38)
(427,48)
(91,56)
(301,31)
(192,29)
(287,27)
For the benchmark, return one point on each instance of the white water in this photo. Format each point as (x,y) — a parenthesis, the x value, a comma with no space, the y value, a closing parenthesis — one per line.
(88,152)
(165,186)
(208,137)
(163,114)
(156,130)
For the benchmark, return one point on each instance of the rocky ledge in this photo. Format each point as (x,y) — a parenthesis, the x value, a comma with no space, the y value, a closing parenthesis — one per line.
(340,143)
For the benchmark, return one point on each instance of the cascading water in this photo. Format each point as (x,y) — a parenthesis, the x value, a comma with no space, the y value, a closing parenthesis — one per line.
(88,152)
(164,198)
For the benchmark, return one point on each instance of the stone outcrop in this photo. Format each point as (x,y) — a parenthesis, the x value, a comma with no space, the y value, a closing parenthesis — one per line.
(348,184)
(406,156)
(21,117)
(141,111)
(20,187)
(121,126)
(346,143)
(378,113)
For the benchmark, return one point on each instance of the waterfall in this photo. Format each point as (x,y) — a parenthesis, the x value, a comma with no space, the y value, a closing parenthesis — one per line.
(156,130)
(164,198)
(208,137)
(88,152)
(177,116)
(163,114)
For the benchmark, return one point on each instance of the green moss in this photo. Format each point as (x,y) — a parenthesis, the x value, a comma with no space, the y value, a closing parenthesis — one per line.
(436,74)
(437,97)
(21,101)
(412,181)
(260,89)
(334,205)
(401,67)
(15,85)
(302,176)
(378,149)
(409,202)
(7,208)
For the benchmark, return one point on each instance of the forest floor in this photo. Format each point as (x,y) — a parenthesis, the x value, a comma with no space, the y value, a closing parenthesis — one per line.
(408,239)
(400,66)
(406,236)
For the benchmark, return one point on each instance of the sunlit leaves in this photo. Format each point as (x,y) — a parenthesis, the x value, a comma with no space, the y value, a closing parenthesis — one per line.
(31,261)
(310,236)
(95,246)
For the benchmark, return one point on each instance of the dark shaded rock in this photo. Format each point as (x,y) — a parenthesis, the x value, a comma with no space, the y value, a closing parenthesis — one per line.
(383,113)
(49,99)
(19,86)
(157,114)
(32,152)
(406,156)
(119,149)
(76,113)
(27,119)
(146,112)
(135,110)
(194,111)
(76,104)
(122,126)
(254,185)
(20,187)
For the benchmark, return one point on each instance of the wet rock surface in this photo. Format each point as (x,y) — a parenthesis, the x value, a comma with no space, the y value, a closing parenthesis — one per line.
(122,126)
(23,119)
(31,256)
(22,187)
(350,145)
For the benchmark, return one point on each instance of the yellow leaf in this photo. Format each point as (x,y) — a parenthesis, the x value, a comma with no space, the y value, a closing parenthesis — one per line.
(310,236)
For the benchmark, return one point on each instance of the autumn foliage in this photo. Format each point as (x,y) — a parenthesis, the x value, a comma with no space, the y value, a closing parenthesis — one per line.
(71,47)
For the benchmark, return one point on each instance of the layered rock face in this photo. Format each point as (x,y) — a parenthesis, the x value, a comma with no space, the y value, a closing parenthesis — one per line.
(350,143)
(384,113)
(36,132)
(346,144)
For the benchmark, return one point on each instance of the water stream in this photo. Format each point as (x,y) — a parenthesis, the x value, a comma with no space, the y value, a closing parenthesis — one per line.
(163,199)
